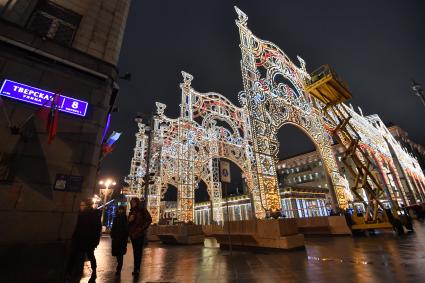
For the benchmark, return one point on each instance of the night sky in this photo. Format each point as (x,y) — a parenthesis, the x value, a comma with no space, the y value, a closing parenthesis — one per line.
(375,46)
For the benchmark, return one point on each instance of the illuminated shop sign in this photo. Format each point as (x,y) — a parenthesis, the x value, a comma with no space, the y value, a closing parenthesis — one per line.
(40,97)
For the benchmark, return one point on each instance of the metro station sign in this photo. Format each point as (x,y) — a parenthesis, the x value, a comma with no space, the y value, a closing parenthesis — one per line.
(40,97)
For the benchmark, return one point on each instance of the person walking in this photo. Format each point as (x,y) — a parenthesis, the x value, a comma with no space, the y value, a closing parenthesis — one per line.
(139,220)
(119,235)
(85,238)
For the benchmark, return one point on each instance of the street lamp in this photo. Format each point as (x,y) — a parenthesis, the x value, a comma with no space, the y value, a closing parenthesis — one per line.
(95,200)
(418,91)
(106,183)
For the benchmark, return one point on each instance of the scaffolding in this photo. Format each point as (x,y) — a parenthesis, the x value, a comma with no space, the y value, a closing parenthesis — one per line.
(329,89)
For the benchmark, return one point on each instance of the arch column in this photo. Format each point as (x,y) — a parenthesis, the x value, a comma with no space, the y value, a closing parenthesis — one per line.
(386,185)
(393,172)
(154,200)
(339,186)
(418,188)
(422,185)
(411,187)
(186,184)
(215,190)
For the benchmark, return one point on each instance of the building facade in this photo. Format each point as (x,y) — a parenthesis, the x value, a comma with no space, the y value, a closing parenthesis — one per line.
(69,47)
(416,149)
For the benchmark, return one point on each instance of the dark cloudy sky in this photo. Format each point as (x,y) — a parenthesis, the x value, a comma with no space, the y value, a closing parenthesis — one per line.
(376,46)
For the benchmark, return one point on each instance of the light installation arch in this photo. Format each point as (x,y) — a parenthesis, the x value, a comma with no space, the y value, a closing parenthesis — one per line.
(272,103)
(186,149)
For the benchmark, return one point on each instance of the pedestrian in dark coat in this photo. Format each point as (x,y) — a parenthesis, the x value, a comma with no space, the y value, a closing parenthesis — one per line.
(119,235)
(86,237)
(139,220)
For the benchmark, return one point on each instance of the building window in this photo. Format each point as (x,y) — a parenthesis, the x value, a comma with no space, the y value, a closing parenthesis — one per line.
(54,22)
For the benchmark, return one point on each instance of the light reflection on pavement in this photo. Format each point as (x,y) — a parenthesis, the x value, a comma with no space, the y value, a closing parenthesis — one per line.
(379,258)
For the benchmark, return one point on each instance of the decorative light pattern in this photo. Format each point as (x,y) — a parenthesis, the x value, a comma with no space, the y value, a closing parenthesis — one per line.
(186,150)
(274,95)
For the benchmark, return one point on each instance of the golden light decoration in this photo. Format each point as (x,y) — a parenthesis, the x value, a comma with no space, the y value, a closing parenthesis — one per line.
(186,150)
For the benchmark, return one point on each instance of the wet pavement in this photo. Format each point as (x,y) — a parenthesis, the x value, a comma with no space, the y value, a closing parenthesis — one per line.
(379,258)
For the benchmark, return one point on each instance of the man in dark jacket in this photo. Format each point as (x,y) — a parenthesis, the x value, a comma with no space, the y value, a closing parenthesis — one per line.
(139,220)
(86,236)
(119,235)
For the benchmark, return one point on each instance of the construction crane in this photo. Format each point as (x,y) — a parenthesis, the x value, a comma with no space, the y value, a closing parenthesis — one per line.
(329,89)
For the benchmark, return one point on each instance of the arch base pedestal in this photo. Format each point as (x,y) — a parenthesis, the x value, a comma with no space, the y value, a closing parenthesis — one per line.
(182,234)
(274,234)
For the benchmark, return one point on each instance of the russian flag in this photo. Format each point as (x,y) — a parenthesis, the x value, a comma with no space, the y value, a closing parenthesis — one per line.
(107,146)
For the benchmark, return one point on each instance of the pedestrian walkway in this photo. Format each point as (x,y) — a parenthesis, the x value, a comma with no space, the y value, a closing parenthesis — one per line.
(380,258)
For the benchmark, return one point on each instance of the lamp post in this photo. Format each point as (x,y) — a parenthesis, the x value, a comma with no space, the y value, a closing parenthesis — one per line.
(106,183)
(418,91)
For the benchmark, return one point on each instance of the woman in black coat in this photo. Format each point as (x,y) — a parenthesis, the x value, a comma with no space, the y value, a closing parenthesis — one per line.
(119,235)
(85,239)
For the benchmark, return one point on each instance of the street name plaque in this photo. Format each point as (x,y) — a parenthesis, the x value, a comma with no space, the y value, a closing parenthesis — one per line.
(32,95)
(68,183)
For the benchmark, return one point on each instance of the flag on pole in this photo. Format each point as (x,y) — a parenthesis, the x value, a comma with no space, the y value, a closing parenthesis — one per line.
(107,147)
(225,171)
(54,118)
(108,121)
(49,114)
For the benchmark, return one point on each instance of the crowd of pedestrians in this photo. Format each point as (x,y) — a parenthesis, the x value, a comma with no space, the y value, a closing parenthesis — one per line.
(87,234)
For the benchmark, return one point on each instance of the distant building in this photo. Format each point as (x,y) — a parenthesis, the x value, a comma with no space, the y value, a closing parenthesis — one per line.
(65,46)
(416,149)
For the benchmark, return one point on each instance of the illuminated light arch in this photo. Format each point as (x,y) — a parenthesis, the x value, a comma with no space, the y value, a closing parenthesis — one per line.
(272,103)
(188,147)
(185,150)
